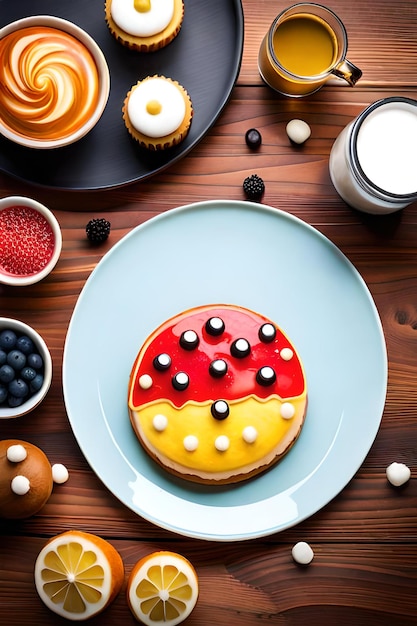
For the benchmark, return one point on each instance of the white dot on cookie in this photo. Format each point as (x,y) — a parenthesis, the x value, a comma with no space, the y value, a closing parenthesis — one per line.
(190,443)
(145,381)
(249,434)
(222,443)
(287,410)
(160,422)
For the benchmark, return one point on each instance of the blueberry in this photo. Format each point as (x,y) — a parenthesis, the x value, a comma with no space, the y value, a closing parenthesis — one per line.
(35,360)
(36,383)
(13,402)
(28,373)
(25,344)
(3,393)
(253,138)
(8,339)
(18,388)
(7,373)
(3,357)
(16,359)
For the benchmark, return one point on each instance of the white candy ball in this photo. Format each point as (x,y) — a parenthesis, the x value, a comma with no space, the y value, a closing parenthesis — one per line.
(145,381)
(20,485)
(222,443)
(59,473)
(298,131)
(190,443)
(16,453)
(302,553)
(398,474)
(160,422)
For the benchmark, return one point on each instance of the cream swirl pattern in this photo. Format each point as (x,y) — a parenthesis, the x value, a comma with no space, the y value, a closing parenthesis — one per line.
(49,83)
(142,19)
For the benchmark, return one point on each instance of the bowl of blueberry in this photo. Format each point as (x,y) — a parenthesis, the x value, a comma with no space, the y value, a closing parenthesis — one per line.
(25,368)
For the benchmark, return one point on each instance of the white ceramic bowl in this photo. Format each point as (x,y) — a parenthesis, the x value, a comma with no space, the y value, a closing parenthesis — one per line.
(20,328)
(23,279)
(49,78)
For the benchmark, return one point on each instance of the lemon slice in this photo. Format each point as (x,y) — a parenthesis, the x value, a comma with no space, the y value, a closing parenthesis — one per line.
(162,589)
(78,574)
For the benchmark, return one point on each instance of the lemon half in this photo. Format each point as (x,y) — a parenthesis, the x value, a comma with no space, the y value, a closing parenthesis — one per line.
(78,574)
(162,589)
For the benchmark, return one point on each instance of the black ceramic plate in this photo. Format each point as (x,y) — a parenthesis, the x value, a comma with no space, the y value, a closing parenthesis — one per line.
(205,58)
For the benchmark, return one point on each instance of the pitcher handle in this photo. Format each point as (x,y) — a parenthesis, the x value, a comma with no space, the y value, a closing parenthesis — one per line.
(349,72)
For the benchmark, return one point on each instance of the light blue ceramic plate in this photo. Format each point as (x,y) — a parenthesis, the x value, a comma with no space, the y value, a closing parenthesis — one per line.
(258,257)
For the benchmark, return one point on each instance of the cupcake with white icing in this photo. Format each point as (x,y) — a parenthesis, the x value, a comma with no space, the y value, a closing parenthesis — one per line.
(157,112)
(144,25)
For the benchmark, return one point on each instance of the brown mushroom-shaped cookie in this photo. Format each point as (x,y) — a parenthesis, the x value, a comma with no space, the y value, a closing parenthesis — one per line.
(25,479)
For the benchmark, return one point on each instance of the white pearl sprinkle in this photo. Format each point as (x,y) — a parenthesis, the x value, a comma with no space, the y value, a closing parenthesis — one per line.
(20,485)
(249,434)
(16,453)
(302,553)
(222,443)
(298,131)
(145,381)
(286,354)
(398,474)
(190,443)
(287,410)
(60,473)
(160,422)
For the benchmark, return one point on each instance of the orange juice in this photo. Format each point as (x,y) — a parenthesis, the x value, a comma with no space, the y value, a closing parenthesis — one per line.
(305,45)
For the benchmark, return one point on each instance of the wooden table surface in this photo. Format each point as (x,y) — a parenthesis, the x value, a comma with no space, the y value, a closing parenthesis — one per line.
(365,540)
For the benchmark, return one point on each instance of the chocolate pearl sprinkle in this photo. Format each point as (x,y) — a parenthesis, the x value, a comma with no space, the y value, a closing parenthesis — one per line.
(266,376)
(240,348)
(220,409)
(215,326)
(267,332)
(180,381)
(189,340)
(218,368)
(162,362)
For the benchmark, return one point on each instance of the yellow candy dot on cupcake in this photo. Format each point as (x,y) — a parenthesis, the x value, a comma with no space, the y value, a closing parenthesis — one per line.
(143,6)
(154,107)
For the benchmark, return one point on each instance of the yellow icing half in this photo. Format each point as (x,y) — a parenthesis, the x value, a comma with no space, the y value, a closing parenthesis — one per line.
(274,433)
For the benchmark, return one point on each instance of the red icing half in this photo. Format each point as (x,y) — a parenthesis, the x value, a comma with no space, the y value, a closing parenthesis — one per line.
(240,379)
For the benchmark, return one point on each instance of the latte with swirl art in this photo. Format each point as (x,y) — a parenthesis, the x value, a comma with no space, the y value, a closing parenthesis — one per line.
(49,83)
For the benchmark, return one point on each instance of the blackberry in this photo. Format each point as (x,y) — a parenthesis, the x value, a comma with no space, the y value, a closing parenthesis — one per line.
(254,187)
(98,230)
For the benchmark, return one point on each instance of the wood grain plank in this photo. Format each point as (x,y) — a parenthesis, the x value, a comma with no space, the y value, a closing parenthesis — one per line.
(365,541)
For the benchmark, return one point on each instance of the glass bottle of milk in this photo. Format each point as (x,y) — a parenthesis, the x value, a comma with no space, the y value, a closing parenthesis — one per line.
(373,162)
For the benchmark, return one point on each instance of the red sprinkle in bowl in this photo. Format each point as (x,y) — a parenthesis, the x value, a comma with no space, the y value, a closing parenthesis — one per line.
(30,241)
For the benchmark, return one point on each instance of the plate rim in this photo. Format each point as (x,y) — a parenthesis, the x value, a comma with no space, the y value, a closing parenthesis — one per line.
(280,214)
